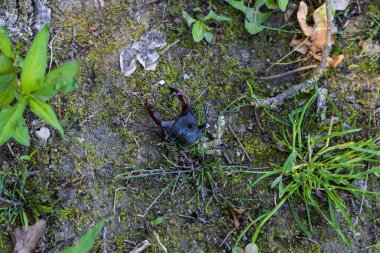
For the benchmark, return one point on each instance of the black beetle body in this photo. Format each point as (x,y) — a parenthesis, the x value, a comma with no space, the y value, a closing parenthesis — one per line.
(183,130)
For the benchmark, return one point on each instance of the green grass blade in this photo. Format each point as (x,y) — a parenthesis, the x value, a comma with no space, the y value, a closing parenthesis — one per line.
(86,242)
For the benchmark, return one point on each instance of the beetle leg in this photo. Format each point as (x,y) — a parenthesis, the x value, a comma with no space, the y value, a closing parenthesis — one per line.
(156,118)
(181,97)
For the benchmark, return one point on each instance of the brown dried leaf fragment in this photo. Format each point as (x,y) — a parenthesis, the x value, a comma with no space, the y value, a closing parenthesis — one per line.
(238,215)
(332,62)
(26,241)
(317,34)
(301,17)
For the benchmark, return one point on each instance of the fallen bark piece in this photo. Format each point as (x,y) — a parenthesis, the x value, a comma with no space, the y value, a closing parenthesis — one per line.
(144,51)
(26,241)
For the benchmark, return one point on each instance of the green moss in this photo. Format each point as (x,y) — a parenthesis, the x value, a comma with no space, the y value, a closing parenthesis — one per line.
(5,243)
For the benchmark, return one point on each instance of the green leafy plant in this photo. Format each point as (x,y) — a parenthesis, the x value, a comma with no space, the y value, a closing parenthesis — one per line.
(317,171)
(34,88)
(87,241)
(21,199)
(254,18)
(200,30)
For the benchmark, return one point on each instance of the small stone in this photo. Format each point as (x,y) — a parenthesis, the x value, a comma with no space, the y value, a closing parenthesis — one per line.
(43,135)
(186,76)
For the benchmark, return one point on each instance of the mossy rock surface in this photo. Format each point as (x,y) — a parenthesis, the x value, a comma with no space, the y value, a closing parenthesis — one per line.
(109,134)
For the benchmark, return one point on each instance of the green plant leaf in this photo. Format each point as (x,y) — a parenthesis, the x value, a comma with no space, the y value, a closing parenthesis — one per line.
(6,45)
(6,65)
(209,37)
(45,112)
(34,66)
(238,5)
(199,31)
(253,17)
(283,4)
(276,181)
(8,81)
(212,15)
(86,242)
(290,161)
(21,134)
(190,20)
(62,78)
(271,4)
(157,221)
(9,120)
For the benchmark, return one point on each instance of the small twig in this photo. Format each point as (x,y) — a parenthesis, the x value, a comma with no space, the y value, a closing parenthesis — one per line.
(244,167)
(293,62)
(228,235)
(279,99)
(141,247)
(241,145)
(157,237)
(105,239)
(172,44)
(156,174)
(154,201)
(114,198)
(51,49)
(283,58)
(301,237)
(258,121)
(10,149)
(73,43)
(289,72)
(200,95)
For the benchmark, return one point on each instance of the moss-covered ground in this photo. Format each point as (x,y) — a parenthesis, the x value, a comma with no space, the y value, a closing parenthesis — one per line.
(110,137)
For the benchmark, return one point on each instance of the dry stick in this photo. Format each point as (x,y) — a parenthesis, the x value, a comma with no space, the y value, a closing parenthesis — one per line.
(51,49)
(141,247)
(279,99)
(228,235)
(289,72)
(73,43)
(10,149)
(105,239)
(157,237)
(283,58)
(154,201)
(241,145)
(258,121)
(114,198)
(172,44)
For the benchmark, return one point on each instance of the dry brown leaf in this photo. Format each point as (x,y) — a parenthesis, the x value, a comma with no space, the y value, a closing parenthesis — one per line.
(317,34)
(301,17)
(332,62)
(237,215)
(26,241)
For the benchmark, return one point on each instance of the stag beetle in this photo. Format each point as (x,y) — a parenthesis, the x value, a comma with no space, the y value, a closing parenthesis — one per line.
(183,130)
